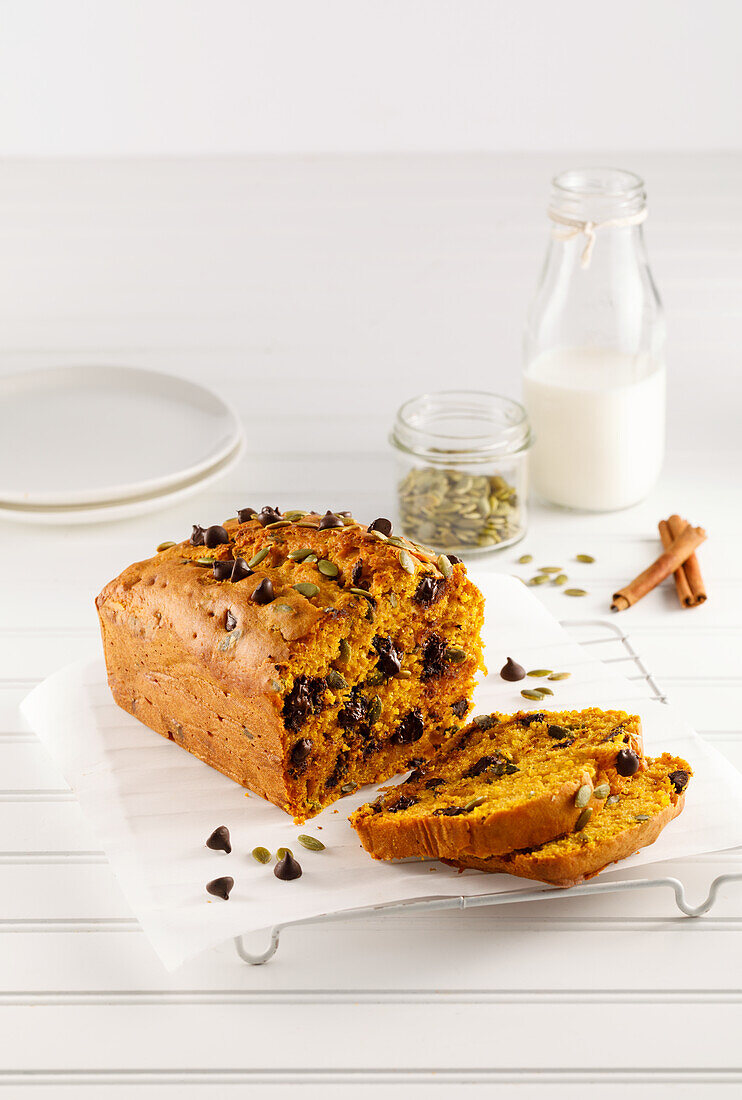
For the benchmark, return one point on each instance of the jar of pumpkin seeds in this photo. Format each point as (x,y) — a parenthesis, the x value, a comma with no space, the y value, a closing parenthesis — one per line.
(462,470)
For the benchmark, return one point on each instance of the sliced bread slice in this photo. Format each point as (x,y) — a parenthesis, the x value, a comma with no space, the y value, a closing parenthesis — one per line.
(504,782)
(633,817)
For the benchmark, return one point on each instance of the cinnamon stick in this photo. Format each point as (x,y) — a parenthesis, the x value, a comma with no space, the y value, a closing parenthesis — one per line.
(691,568)
(678,552)
(681,581)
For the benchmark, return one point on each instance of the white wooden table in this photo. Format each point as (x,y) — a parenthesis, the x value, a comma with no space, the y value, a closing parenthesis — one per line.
(317,294)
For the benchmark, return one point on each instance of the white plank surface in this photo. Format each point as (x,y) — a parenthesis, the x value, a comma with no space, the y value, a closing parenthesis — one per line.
(317,293)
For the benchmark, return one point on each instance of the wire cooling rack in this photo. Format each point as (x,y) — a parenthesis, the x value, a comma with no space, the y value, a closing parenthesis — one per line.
(587,632)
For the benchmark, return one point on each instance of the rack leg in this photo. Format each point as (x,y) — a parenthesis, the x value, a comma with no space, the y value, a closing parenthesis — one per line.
(258,960)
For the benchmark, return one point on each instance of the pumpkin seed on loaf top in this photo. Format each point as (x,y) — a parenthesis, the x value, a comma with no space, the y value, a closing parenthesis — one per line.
(505,782)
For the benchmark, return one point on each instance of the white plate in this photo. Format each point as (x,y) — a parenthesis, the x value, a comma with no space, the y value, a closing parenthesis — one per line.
(92,435)
(122,509)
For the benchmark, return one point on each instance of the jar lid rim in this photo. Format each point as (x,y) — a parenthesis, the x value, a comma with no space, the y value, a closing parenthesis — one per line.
(417,429)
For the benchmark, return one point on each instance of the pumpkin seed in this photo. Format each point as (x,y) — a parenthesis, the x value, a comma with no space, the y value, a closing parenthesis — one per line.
(379,535)
(344,651)
(540,578)
(404,674)
(348,788)
(544,691)
(641,817)
(311,842)
(362,592)
(525,559)
(336,681)
(374,710)
(575,592)
(311,559)
(612,799)
(562,578)
(327,568)
(261,854)
(560,675)
(393,599)
(164,546)
(455,654)
(539,672)
(602,790)
(528,694)
(583,819)
(202,561)
(444,565)
(306,588)
(407,562)
(311,523)
(583,796)
(281,853)
(277,523)
(475,802)
(285,607)
(588,558)
(257,558)
(295,513)
(299,555)
(549,568)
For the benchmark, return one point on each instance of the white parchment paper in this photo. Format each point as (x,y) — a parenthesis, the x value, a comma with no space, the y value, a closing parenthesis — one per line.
(152,805)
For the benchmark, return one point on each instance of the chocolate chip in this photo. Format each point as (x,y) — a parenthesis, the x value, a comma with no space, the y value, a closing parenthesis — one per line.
(460,707)
(268,515)
(529,719)
(450,811)
(512,671)
(305,698)
(240,570)
(287,868)
(434,657)
(357,574)
(390,658)
(484,721)
(402,803)
(558,732)
(453,559)
(355,710)
(428,591)
(197,535)
(679,780)
(223,570)
(215,536)
(384,526)
(246,514)
(329,520)
(410,729)
(229,621)
(431,784)
(565,744)
(220,887)
(627,762)
(219,840)
(414,775)
(301,750)
(264,593)
(339,771)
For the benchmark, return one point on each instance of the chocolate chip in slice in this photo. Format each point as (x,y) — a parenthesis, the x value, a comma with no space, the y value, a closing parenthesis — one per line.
(287,868)
(264,593)
(410,729)
(215,536)
(512,671)
(402,803)
(627,762)
(558,732)
(390,658)
(382,525)
(197,535)
(246,514)
(428,591)
(301,750)
(460,707)
(229,621)
(679,780)
(219,840)
(220,887)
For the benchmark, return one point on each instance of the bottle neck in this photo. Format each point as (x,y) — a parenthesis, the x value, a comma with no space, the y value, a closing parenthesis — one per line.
(588,202)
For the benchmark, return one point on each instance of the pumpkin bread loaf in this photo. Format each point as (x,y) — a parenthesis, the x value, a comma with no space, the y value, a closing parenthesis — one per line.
(504,783)
(300,654)
(634,816)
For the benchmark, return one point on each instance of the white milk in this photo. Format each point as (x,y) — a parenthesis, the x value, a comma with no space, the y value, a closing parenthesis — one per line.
(599,421)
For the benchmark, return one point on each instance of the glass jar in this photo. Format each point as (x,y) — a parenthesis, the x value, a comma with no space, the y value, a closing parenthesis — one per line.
(462,470)
(594,374)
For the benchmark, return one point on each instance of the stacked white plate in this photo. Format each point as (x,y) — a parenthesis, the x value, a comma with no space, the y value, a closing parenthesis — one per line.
(88,444)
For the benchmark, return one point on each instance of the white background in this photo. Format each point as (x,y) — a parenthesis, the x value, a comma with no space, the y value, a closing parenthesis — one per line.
(130,77)
(317,291)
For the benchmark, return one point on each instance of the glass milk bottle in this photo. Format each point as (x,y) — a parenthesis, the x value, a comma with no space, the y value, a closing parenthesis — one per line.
(594,374)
